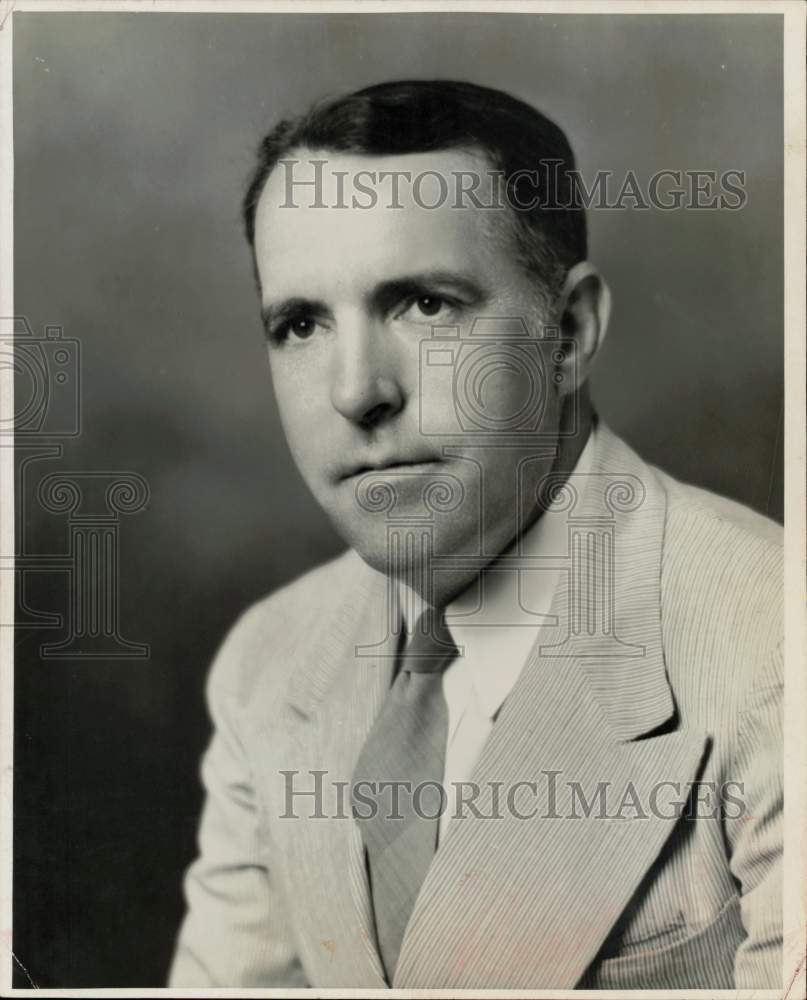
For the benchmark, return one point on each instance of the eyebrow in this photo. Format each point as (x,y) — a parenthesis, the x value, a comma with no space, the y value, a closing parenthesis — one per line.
(383,296)
(273,313)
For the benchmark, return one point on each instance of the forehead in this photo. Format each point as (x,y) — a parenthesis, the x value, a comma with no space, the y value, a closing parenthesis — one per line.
(327,218)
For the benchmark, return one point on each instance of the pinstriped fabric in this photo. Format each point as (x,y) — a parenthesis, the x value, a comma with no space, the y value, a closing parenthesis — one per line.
(694,692)
(710,952)
(229,879)
(738,574)
(682,926)
(326,735)
(543,892)
(218,945)
(406,743)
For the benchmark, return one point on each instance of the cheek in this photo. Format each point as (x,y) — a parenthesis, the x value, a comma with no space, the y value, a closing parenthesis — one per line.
(512,480)
(512,396)
(299,407)
(501,387)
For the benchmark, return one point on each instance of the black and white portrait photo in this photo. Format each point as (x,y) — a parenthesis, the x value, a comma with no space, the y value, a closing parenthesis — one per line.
(402,537)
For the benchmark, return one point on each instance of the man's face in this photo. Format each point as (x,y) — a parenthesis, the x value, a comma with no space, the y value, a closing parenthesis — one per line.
(350,297)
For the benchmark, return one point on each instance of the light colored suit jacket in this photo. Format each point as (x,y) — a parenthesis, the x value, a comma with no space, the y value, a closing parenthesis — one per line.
(650,900)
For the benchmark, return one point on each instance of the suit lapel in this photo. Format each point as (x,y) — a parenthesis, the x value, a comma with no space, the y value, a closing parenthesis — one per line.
(516,902)
(333,699)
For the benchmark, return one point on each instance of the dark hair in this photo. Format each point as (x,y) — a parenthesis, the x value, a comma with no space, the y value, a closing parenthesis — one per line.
(417,116)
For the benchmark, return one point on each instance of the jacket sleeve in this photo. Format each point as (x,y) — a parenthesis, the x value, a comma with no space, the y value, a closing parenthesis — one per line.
(235,932)
(755,837)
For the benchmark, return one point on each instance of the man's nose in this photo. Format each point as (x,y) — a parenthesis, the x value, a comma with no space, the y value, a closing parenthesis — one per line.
(365,387)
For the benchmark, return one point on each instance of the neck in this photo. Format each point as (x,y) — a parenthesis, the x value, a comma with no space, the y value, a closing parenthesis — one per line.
(569,449)
(447,586)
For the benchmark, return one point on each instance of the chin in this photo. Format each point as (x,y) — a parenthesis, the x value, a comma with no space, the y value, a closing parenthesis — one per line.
(410,554)
(366,534)
(401,546)
(398,566)
(392,557)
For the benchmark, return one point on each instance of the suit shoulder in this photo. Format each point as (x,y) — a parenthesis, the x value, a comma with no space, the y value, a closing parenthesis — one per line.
(720,514)
(722,584)
(254,650)
(722,547)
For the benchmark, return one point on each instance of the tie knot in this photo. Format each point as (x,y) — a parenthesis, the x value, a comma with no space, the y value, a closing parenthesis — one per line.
(431,647)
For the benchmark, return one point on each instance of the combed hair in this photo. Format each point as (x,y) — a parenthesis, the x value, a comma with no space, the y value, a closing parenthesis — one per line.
(419,116)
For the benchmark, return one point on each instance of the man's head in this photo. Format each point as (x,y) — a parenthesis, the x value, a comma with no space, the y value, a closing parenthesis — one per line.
(360,276)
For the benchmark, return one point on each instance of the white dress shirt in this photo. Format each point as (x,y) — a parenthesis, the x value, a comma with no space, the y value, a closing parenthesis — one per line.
(496,635)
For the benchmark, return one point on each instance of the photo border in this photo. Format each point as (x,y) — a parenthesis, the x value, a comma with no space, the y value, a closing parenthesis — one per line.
(794,18)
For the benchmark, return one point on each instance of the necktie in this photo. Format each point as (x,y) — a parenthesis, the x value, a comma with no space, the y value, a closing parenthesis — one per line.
(406,744)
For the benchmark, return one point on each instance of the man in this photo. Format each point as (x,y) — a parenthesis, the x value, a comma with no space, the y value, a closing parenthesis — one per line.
(563,663)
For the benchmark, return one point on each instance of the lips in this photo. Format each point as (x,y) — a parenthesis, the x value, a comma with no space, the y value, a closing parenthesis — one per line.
(394,464)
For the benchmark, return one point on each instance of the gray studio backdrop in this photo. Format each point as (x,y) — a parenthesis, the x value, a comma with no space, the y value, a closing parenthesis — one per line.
(134,134)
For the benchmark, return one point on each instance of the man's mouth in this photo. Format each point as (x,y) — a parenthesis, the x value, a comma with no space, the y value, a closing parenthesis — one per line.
(393,465)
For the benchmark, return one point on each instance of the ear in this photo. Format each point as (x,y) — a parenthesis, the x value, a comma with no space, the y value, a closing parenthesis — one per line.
(584,307)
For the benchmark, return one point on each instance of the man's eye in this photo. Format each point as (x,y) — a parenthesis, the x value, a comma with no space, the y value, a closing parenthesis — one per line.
(299,327)
(429,305)
(426,307)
